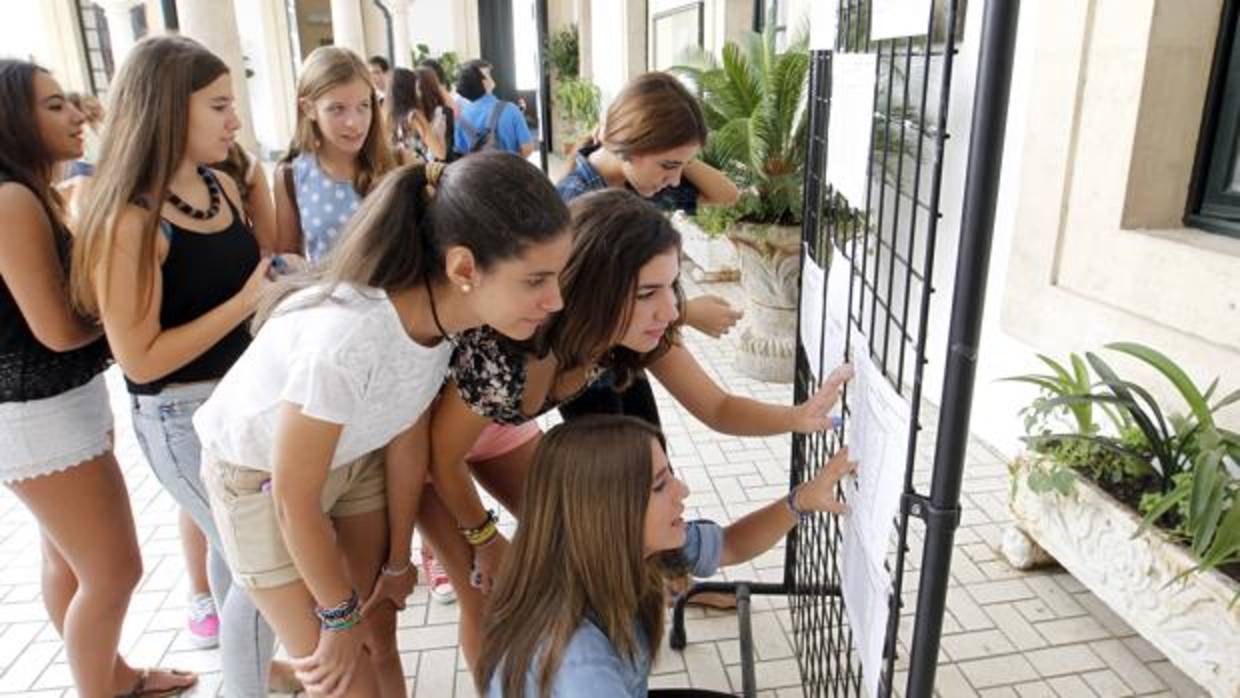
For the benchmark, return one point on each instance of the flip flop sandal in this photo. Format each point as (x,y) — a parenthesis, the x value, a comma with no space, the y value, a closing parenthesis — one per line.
(141,690)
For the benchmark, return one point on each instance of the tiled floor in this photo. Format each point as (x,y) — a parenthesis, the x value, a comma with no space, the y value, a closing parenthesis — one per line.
(1006,633)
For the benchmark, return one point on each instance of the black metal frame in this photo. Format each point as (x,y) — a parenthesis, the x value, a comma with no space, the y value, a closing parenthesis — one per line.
(821,634)
(545,144)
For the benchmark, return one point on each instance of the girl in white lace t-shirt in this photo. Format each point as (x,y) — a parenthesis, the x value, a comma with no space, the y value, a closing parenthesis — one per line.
(315,443)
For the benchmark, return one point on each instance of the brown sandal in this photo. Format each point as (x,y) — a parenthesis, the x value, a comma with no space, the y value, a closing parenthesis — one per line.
(142,690)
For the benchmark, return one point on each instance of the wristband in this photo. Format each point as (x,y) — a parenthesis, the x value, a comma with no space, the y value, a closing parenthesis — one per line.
(483,532)
(479,537)
(791,502)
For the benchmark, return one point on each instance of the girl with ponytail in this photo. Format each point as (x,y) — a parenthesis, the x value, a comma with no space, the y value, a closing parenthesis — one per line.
(315,445)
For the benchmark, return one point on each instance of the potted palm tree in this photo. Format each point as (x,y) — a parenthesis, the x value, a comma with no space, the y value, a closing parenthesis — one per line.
(752,99)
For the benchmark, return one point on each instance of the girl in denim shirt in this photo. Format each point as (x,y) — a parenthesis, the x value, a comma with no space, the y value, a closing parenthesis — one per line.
(577,612)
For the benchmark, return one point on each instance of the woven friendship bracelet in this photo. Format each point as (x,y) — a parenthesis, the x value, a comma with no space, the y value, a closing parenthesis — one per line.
(341,610)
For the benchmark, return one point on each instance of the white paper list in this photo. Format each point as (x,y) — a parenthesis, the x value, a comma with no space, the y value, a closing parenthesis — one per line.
(893,18)
(850,125)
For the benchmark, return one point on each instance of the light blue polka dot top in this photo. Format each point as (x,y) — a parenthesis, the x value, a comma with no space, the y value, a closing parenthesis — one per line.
(325,205)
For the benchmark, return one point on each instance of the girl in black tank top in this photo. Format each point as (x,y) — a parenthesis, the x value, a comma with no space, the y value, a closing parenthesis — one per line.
(175,279)
(55,420)
(201,271)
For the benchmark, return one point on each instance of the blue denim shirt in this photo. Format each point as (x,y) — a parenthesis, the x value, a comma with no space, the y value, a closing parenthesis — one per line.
(584,178)
(591,666)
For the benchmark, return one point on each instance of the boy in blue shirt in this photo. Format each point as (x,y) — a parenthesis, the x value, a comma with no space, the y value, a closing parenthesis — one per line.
(486,121)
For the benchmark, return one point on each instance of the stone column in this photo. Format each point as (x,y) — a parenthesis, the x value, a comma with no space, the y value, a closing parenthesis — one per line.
(214,24)
(348,29)
(120,27)
(402,47)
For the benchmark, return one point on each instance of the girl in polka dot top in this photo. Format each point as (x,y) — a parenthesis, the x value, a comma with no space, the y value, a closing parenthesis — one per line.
(338,153)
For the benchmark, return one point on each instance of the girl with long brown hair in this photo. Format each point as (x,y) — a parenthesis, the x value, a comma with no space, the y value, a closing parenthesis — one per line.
(172,267)
(432,117)
(421,121)
(622,302)
(339,152)
(648,144)
(579,603)
(315,444)
(55,421)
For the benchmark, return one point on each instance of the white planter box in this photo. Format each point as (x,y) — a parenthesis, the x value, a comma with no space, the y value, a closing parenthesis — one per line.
(1091,535)
(714,258)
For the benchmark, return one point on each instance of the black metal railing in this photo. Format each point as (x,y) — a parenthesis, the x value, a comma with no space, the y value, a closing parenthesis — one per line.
(889,243)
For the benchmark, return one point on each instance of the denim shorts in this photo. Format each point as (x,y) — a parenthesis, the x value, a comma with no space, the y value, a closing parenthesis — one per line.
(163,424)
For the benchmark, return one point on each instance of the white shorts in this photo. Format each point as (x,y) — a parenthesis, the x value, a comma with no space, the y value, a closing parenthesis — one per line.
(40,437)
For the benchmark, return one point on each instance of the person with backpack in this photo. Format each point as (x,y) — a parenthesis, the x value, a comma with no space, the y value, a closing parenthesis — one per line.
(488,123)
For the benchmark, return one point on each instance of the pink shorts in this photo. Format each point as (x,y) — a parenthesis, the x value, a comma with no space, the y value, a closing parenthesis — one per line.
(498,439)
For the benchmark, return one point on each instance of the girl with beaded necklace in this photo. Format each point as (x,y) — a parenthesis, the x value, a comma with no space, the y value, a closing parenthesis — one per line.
(339,153)
(315,443)
(168,262)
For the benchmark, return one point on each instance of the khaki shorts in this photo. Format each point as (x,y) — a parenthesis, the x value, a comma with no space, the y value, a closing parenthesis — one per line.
(246,515)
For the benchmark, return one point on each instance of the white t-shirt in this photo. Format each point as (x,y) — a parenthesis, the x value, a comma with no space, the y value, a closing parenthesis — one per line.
(346,360)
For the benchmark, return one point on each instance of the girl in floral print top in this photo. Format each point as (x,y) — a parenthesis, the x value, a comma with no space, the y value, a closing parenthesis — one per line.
(622,312)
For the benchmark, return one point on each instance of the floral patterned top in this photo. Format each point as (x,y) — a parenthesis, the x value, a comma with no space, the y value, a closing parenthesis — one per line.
(490,374)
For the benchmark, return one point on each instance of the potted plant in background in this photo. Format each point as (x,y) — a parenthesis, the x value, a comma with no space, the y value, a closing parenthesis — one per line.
(704,240)
(448,60)
(753,103)
(1139,504)
(575,99)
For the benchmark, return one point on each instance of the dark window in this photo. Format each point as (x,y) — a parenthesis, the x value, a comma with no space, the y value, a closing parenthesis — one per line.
(1214,202)
(762,12)
(93,25)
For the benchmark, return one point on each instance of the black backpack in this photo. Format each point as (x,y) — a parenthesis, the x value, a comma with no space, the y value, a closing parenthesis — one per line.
(484,139)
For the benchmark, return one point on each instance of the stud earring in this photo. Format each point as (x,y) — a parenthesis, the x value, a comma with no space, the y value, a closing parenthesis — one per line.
(466,288)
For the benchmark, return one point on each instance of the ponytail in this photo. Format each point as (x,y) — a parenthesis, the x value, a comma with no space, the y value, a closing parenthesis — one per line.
(495,204)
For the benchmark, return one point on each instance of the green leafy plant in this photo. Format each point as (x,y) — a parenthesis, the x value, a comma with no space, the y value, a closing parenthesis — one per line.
(1204,492)
(1181,471)
(716,220)
(578,103)
(562,53)
(753,103)
(448,60)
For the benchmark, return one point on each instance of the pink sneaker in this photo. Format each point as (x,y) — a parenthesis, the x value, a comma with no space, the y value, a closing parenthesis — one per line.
(437,578)
(204,622)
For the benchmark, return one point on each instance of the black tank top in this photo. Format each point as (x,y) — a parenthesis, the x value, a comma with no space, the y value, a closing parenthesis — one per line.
(201,271)
(29,370)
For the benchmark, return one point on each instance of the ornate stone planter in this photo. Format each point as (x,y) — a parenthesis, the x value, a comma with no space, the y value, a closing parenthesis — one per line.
(1091,535)
(714,258)
(770,262)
